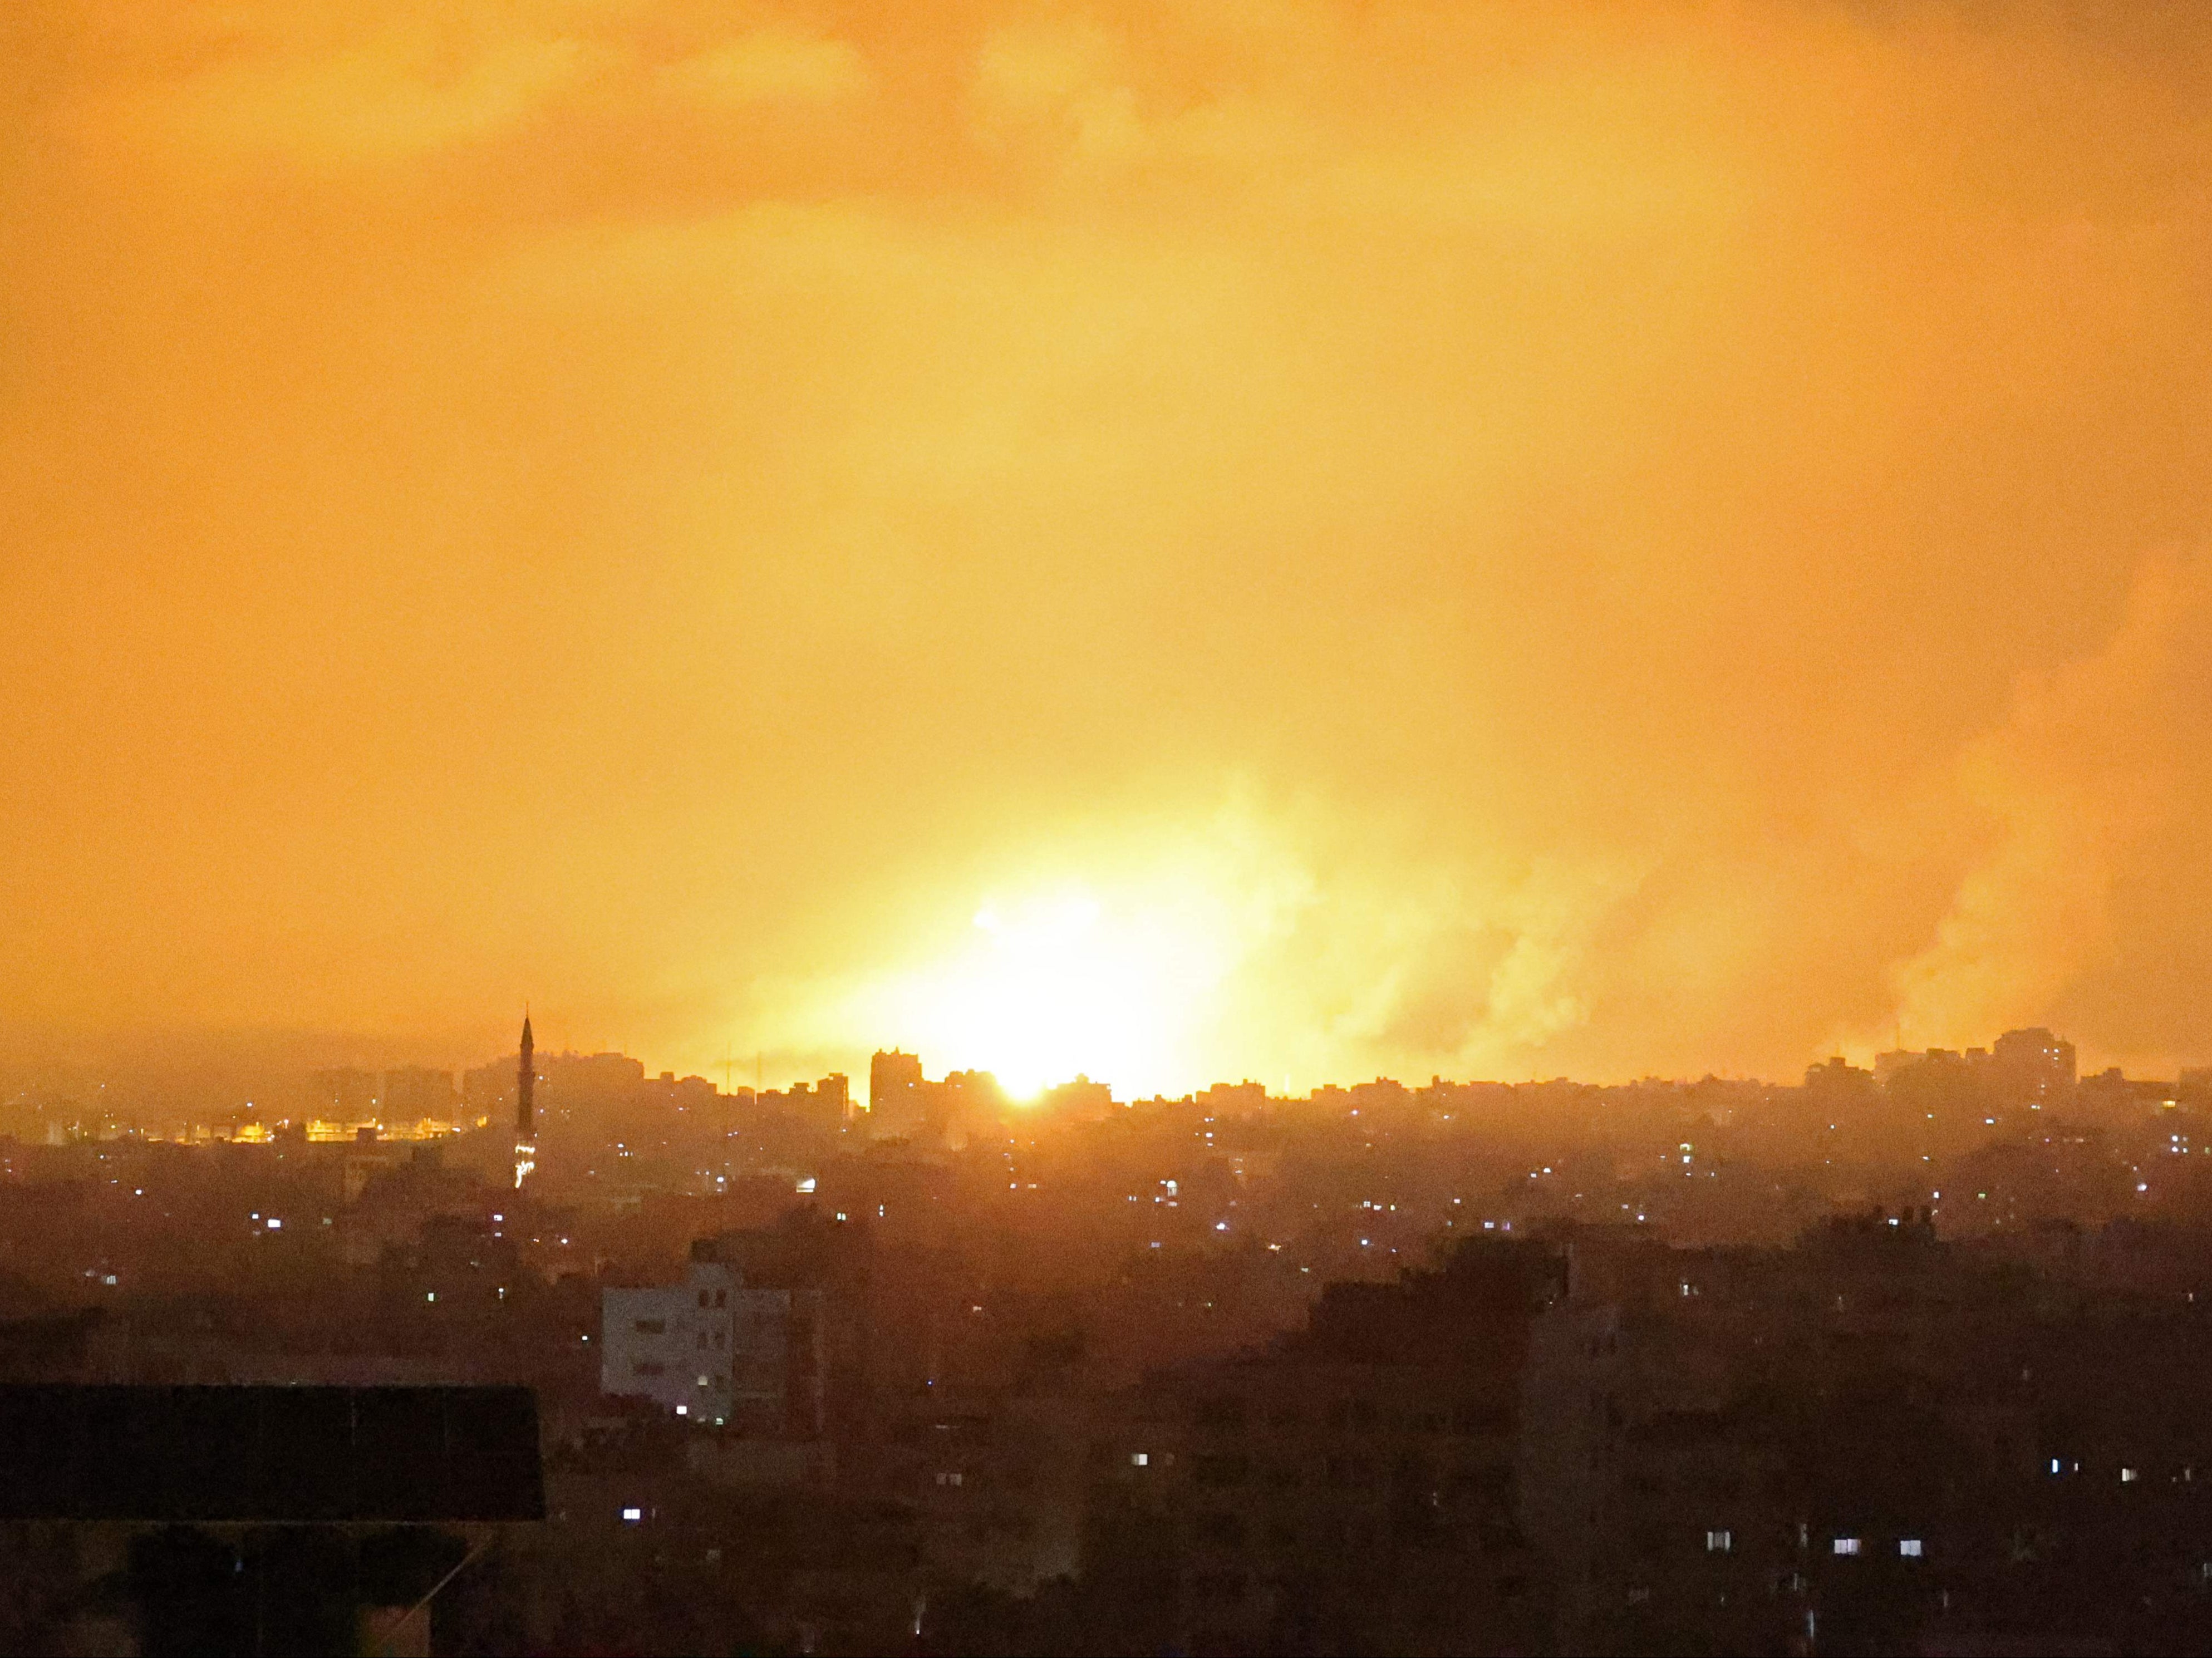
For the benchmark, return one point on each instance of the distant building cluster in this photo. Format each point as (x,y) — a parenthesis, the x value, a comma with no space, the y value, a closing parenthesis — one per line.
(2022,1065)
(1890,1359)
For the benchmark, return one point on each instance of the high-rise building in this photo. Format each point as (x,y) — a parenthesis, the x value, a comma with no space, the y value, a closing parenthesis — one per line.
(718,1349)
(2034,1065)
(821,1107)
(895,1095)
(345,1093)
(415,1092)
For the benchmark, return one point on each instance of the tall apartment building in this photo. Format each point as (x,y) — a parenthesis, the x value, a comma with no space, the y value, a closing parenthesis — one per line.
(717,1351)
(896,1098)
(416,1092)
(1424,1469)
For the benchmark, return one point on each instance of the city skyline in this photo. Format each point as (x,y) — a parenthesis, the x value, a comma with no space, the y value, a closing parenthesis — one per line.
(417,1102)
(1297,828)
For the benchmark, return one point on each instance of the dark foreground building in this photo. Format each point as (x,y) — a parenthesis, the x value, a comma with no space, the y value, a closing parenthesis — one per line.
(1870,1443)
(252,1519)
(1420,1470)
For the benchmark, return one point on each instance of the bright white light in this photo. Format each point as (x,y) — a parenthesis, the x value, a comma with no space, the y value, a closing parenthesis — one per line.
(1064,981)
(1140,1458)
(1908,1547)
(1847,1545)
(274,1225)
(633,1515)
(683,1410)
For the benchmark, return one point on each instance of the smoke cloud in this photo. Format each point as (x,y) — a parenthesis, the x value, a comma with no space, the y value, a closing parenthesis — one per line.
(1526,539)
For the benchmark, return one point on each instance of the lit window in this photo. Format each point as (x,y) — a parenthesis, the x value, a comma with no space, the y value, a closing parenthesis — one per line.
(683,1410)
(1139,1459)
(2128,1476)
(274,1225)
(2054,1465)
(1908,1547)
(633,1515)
(1847,1545)
(952,1477)
(429,1295)
(1720,1542)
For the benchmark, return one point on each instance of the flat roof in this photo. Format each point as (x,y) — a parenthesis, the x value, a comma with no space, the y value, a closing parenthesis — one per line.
(269,1454)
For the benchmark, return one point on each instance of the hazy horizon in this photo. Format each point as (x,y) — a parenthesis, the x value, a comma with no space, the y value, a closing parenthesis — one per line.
(213,1064)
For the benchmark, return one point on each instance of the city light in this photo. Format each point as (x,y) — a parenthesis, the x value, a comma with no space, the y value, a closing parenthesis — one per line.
(749,630)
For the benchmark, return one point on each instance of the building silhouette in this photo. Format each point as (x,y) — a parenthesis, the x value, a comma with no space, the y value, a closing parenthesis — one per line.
(895,1094)
(526,1113)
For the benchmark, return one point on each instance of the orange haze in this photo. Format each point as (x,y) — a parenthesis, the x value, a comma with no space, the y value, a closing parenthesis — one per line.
(1285,539)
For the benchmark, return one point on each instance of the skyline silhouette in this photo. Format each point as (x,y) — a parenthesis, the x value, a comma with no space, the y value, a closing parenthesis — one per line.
(1311,827)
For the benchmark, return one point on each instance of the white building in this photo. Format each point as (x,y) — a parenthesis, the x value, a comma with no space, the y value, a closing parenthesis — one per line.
(706,1349)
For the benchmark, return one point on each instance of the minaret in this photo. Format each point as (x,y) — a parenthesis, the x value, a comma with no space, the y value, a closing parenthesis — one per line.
(526,1113)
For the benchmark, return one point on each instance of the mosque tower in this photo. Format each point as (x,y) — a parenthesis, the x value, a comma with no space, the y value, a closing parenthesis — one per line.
(525,1112)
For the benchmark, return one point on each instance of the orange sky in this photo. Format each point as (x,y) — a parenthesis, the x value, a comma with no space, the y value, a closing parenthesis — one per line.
(1504,540)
